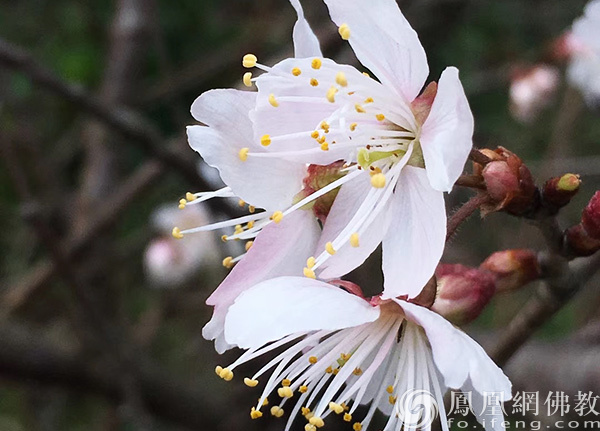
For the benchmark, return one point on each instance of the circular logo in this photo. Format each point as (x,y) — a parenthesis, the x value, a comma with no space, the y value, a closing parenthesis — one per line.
(417,408)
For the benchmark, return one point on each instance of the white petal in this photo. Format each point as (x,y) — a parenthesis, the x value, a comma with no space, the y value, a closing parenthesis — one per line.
(384,41)
(345,206)
(289,305)
(447,135)
(457,356)
(414,243)
(280,249)
(306,43)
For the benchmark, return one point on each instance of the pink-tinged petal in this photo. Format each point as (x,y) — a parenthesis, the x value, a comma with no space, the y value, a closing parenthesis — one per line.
(458,357)
(384,41)
(447,135)
(291,305)
(346,204)
(414,243)
(306,43)
(280,249)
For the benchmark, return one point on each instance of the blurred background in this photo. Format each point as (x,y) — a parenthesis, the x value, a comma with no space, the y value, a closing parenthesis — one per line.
(101,309)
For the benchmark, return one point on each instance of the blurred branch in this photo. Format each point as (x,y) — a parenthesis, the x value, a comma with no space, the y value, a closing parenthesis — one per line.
(107,215)
(562,283)
(25,356)
(125,121)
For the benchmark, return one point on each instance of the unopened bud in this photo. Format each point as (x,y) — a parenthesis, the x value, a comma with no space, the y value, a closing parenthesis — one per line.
(462,292)
(590,218)
(559,191)
(580,242)
(508,182)
(513,269)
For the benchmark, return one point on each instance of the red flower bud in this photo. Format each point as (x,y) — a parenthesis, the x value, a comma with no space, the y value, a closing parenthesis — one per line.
(462,292)
(509,182)
(512,268)
(559,191)
(580,242)
(591,216)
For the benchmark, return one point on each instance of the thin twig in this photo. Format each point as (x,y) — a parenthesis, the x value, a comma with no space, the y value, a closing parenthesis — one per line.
(464,212)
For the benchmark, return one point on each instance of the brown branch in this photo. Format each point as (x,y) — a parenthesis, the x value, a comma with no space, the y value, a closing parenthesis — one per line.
(128,123)
(563,282)
(464,212)
(25,356)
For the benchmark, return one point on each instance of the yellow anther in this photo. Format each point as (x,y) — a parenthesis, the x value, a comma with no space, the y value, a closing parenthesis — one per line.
(314,135)
(286,382)
(238,229)
(249,61)
(227,262)
(190,196)
(265,140)
(251,209)
(277,216)
(366,74)
(176,232)
(296,71)
(347,417)
(248,245)
(242,203)
(329,248)
(344,31)
(316,63)
(331,94)
(314,82)
(247,79)
(325,126)
(335,408)
(359,109)
(274,103)
(182,203)
(353,127)
(255,414)
(224,238)
(226,374)
(329,370)
(310,427)
(335,371)
(265,402)
(243,154)
(309,415)
(390,389)
(346,408)
(378,181)
(369,100)
(340,79)
(325,146)
(357,426)
(285,392)
(392,399)
(250,382)
(380,117)
(218,370)
(309,273)
(313,360)
(357,371)
(316,421)
(321,139)
(277,411)
(305,411)
(310,262)
(302,389)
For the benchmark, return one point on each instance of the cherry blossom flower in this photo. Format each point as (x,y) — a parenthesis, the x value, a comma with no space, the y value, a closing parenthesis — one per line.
(532,90)
(401,151)
(342,351)
(584,46)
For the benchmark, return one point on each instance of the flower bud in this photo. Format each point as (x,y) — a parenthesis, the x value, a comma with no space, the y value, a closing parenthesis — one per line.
(462,292)
(509,182)
(580,242)
(590,218)
(512,268)
(559,191)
